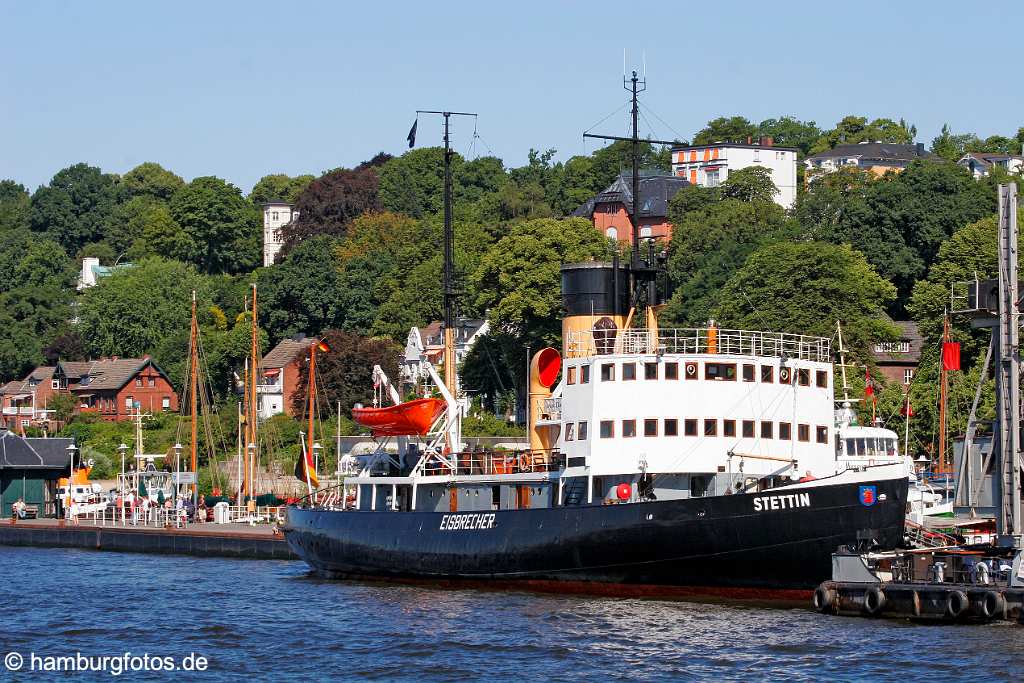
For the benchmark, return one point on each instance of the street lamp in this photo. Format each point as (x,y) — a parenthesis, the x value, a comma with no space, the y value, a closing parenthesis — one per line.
(316,456)
(177,470)
(71,479)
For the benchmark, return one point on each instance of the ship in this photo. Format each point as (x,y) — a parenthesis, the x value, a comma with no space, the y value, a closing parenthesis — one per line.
(661,461)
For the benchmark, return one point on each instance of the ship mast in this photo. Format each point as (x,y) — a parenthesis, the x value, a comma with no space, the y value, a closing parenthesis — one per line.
(193,395)
(251,413)
(642,272)
(943,396)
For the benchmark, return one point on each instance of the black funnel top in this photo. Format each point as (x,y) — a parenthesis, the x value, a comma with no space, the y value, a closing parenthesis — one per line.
(591,289)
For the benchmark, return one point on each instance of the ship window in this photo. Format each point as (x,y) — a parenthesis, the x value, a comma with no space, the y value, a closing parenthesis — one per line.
(860,446)
(710,427)
(767,430)
(720,371)
(495,497)
(748,429)
(890,446)
(871,447)
(607,429)
(729,427)
(690,427)
(585,374)
(671,370)
(785,431)
(581,431)
(628,428)
(821,379)
(650,427)
(650,371)
(822,434)
(803,377)
(570,431)
(671,427)
(767,374)
(851,447)
(608,372)
(748,372)
(803,433)
(570,375)
(691,371)
(628,371)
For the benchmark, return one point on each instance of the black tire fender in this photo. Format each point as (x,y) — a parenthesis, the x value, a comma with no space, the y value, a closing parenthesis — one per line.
(874,601)
(956,604)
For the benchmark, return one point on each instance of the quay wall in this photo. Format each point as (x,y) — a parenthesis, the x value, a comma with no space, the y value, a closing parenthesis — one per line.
(236,544)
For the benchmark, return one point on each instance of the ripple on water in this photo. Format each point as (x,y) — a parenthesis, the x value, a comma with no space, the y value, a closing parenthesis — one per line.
(276,618)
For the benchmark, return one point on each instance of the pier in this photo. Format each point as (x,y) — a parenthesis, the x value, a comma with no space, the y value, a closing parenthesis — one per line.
(235,540)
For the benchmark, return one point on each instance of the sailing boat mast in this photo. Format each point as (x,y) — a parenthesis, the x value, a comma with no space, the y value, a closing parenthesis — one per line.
(193,395)
(251,413)
(943,396)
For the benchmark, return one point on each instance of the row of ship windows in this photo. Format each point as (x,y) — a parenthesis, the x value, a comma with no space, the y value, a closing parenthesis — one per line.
(721,372)
(669,426)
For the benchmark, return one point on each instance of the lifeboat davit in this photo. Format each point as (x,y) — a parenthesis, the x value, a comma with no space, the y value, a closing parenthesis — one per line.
(406,419)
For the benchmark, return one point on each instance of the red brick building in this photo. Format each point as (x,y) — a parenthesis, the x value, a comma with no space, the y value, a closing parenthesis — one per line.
(898,360)
(114,388)
(281,368)
(25,403)
(610,210)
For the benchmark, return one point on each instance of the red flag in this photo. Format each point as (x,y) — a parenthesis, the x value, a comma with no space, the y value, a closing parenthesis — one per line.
(322,346)
(951,356)
(869,390)
(907,410)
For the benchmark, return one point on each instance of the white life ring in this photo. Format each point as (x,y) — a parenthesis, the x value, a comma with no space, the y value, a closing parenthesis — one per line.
(784,374)
(691,369)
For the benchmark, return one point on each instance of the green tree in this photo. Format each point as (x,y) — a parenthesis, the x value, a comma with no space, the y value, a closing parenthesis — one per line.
(303,292)
(14,206)
(150,179)
(804,288)
(787,131)
(224,228)
(725,129)
(751,184)
(76,207)
(278,187)
(413,183)
(854,129)
(129,312)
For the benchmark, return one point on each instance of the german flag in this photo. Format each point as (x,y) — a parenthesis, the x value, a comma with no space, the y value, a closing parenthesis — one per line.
(322,346)
(304,470)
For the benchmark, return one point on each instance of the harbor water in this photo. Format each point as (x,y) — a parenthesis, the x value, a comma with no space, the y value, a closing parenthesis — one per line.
(271,620)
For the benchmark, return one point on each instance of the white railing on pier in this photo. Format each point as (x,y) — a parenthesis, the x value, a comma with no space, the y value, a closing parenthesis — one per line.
(694,341)
(161,518)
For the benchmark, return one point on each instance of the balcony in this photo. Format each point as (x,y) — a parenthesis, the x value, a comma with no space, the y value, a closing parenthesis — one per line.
(19,410)
(275,388)
(697,341)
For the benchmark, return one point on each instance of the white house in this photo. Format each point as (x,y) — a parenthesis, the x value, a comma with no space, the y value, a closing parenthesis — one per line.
(980,163)
(276,215)
(877,158)
(92,271)
(710,165)
(426,344)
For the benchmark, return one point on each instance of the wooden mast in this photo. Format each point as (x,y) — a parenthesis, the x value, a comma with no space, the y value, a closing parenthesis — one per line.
(311,390)
(943,395)
(193,396)
(252,447)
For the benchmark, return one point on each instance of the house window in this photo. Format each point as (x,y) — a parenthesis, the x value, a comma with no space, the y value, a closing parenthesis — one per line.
(690,427)
(767,374)
(822,434)
(908,375)
(570,376)
(893,347)
(803,377)
(138,381)
(650,427)
(628,371)
(151,382)
(671,370)
(55,384)
(803,433)
(710,427)
(712,178)
(748,429)
(570,431)
(611,233)
(129,402)
(729,427)
(166,403)
(767,430)
(581,431)
(607,429)
(720,371)
(628,428)
(671,427)
(748,372)
(821,379)
(274,215)
(650,371)
(785,431)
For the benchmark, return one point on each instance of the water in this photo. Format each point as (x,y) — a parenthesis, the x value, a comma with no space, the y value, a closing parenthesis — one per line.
(272,620)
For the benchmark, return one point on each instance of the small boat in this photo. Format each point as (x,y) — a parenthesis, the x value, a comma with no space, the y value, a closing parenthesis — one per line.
(405,419)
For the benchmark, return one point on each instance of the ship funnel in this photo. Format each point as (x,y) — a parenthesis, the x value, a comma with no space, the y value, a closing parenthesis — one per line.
(595,297)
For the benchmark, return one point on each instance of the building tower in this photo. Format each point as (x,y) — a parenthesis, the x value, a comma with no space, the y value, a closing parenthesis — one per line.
(276,215)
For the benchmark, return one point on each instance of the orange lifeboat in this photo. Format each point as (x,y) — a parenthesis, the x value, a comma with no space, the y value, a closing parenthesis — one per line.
(406,419)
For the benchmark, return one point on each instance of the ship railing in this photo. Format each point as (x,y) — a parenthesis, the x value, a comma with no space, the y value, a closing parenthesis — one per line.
(941,568)
(691,341)
(549,408)
(495,463)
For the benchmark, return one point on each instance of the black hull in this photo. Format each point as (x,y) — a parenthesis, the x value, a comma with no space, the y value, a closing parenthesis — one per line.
(724,541)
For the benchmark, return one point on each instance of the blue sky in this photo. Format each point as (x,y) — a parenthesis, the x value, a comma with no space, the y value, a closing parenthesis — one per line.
(242,89)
